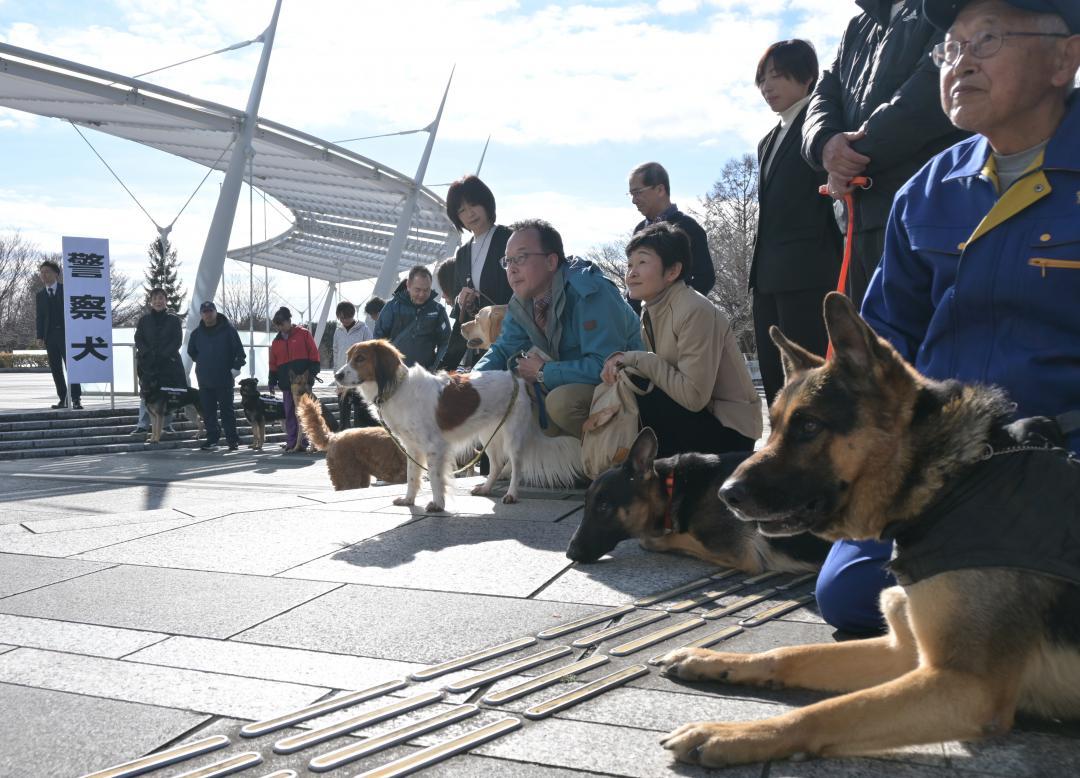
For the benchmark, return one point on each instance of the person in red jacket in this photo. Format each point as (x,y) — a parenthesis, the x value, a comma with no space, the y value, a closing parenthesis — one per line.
(292,351)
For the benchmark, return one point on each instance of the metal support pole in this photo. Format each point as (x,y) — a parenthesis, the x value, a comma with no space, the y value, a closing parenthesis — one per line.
(388,273)
(212,263)
(251,274)
(310,315)
(320,329)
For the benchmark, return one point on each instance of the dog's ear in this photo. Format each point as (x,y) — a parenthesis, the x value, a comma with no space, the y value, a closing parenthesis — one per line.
(794,357)
(387,358)
(855,345)
(642,453)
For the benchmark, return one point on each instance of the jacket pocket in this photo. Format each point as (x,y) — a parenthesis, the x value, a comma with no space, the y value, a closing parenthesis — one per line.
(1058,264)
(1047,318)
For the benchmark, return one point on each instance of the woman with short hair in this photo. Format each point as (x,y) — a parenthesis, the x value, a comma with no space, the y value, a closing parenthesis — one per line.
(698,392)
(479,279)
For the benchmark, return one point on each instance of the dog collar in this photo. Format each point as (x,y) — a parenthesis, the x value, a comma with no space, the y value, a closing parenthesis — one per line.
(669,487)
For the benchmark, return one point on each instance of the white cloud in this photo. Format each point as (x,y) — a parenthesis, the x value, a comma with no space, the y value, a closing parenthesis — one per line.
(562,74)
(675,7)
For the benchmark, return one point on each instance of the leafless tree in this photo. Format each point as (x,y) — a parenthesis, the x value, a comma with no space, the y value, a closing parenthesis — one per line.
(19,260)
(610,257)
(127,302)
(729,215)
(239,300)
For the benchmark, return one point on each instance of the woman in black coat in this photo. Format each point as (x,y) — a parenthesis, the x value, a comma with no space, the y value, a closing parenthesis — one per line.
(479,279)
(798,247)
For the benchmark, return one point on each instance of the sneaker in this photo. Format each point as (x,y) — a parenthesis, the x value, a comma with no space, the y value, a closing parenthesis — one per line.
(234,446)
(58,406)
(208,447)
(76,406)
(138,431)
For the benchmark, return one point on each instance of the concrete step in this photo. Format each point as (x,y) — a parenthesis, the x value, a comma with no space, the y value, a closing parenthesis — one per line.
(272,440)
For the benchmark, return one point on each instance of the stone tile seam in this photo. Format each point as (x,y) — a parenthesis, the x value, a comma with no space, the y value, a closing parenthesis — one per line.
(210,673)
(187,483)
(108,566)
(578,770)
(287,610)
(110,699)
(159,520)
(282,573)
(129,540)
(536,592)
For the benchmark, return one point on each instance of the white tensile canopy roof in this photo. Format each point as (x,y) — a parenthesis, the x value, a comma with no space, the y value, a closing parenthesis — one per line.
(345,207)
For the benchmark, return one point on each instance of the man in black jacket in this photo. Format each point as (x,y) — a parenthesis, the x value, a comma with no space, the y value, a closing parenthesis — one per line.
(158,337)
(876,112)
(49,304)
(218,354)
(650,191)
(797,248)
(415,321)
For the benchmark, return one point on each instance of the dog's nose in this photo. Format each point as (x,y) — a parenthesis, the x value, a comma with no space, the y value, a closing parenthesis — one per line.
(340,375)
(734,493)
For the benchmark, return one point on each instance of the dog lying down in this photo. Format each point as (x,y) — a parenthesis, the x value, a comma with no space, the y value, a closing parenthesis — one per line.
(672,504)
(985,620)
(436,416)
(353,456)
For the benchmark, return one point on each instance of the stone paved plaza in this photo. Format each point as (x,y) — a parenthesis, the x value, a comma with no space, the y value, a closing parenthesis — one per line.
(152,599)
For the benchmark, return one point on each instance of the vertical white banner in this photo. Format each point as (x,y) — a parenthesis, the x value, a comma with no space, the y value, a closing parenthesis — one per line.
(87,311)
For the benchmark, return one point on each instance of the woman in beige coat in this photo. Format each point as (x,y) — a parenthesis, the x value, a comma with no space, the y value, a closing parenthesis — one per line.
(699,395)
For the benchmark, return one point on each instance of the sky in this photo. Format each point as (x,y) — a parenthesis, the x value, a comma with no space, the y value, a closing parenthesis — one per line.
(573,95)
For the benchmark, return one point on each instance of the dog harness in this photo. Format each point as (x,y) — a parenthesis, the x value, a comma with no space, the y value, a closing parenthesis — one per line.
(1018,508)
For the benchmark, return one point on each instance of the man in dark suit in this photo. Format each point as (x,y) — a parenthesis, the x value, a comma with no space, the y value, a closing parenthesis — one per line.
(49,303)
(650,191)
(798,247)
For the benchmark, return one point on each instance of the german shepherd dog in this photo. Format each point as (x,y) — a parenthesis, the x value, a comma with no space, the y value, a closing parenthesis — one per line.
(259,409)
(161,401)
(672,505)
(861,446)
(300,387)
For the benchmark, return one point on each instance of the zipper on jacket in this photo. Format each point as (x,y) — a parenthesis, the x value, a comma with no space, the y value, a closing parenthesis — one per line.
(1043,263)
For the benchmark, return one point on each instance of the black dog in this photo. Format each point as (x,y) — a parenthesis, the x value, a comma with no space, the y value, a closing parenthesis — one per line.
(259,409)
(162,401)
(672,505)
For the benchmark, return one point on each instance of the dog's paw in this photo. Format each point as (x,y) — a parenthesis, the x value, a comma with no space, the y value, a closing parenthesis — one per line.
(434,507)
(713,744)
(404,501)
(481,489)
(509,499)
(702,664)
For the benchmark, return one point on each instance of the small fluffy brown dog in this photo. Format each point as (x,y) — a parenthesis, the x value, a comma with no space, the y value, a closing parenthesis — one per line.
(352,456)
(484,330)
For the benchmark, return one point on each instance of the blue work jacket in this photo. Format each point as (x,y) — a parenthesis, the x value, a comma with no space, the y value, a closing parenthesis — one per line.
(986,288)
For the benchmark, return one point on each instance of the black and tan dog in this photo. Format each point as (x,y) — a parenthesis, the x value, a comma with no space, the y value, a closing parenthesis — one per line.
(259,409)
(672,504)
(984,515)
(162,401)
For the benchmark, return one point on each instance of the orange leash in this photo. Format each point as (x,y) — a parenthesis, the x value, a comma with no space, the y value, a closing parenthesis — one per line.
(862,182)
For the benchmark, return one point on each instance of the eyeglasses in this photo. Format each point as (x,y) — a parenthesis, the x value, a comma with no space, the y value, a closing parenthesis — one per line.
(983,45)
(635,192)
(520,259)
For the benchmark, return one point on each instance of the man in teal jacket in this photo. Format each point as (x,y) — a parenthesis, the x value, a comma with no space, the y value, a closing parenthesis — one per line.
(564,320)
(980,280)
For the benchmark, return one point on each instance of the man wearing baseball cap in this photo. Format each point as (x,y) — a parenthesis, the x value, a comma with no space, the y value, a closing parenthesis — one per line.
(218,354)
(980,279)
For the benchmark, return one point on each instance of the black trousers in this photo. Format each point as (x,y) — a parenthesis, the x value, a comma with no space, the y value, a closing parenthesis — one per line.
(680,431)
(213,400)
(354,411)
(798,314)
(54,346)
(867,246)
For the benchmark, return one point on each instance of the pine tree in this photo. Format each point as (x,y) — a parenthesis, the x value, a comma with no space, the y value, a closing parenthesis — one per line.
(163,273)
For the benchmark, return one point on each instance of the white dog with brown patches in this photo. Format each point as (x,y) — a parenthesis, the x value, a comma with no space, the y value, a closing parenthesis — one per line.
(436,415)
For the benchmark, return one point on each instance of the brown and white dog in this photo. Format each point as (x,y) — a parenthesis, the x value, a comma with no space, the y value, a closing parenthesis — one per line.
(436,415)
(484,330)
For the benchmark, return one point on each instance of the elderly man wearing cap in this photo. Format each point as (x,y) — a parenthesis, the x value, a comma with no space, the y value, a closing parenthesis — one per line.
(218,354)
(980,280)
